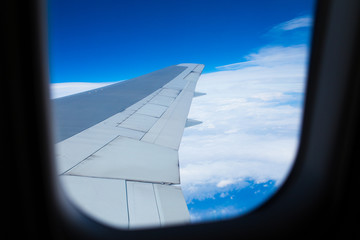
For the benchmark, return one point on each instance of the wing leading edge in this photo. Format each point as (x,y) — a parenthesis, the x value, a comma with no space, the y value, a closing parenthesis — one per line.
(124,169)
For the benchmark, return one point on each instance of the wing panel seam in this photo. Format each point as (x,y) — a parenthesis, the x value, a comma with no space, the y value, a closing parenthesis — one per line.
(65,172)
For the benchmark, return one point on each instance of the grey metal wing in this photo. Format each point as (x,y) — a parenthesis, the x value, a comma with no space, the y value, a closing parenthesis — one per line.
(117,147)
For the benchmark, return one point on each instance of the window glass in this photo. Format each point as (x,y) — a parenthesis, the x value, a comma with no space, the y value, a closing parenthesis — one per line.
(247,110)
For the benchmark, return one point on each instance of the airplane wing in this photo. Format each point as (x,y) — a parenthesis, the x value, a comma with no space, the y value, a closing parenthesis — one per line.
(117,147)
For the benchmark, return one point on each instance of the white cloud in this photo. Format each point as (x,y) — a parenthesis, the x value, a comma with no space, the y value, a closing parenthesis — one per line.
(215,213)
(299,22)
(224,183)
(251,117)
(269,57)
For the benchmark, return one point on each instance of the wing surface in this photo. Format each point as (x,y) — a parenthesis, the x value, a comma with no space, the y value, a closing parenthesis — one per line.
(123,167)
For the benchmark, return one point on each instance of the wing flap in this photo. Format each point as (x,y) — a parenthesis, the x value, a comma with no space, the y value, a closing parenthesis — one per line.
(127,204)
(125,158)
(102,199)
(171,205)
(143,209)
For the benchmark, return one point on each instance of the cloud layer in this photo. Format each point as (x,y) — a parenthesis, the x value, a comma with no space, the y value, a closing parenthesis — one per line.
(251,117)
(299,22)
(270,57)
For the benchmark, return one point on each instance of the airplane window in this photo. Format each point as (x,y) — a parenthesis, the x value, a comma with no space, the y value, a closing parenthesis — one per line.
(137,144)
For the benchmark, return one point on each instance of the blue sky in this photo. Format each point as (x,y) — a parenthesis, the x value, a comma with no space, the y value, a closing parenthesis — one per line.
(233,202)
(97,41)
(255,55)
